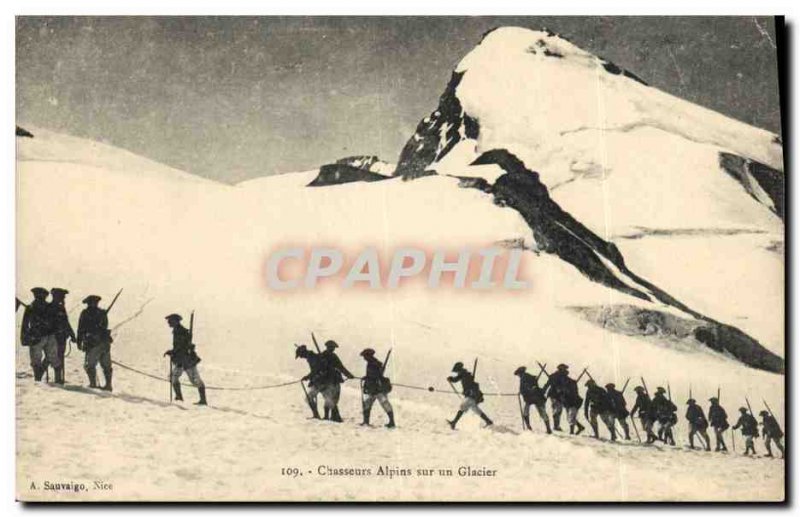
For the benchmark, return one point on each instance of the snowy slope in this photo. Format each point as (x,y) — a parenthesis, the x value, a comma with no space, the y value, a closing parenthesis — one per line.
(176,245)
(677,188)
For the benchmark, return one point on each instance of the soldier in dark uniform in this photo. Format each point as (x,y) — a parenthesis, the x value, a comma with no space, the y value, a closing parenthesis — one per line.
(95,340)
(472,394)
(38,333)
(597,404)
(749,426)
(63,329)
(772,433)
(184,359)
(313,377)
(697,423)
(532,395)
(619,408)
(643,406)
(563,394)
(374,385)
(332,369)
(718,419)
(664,412)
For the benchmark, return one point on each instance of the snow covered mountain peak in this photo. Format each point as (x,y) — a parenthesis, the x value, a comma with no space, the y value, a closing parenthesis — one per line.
(549,102)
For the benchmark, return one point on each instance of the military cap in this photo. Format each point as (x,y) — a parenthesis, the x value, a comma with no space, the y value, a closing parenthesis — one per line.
(367,352)
(40,291)
(56,291)
(764,412)
(92,298)
(458,366)
(562,366)
(173,317)
(742,410)
(637,389)
(610,386)
(331,344)
(520,370)
(713,399)
(300,350)
(660,390)
(691,401)
(590,382)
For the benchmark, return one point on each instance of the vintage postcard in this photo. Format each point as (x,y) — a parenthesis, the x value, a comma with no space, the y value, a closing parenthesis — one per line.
(400,259)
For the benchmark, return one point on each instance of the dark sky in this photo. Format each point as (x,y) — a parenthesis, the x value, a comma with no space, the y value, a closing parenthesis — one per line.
(237,97)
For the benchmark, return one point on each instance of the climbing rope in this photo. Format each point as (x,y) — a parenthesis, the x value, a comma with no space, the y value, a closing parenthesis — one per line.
(431,389)
(218,388)
(289,383)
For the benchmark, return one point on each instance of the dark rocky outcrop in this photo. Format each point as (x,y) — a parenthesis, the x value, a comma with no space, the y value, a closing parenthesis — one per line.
(339,173)
(24,132)
(429,144)
(676,332)
(771,181)
(612,68)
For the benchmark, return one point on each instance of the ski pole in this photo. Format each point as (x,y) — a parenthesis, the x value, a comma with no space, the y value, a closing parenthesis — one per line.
(315,342)
(454,389)
(636,429)
(543,369)
(169,360)
(308,399)
(521,411)
(475,368)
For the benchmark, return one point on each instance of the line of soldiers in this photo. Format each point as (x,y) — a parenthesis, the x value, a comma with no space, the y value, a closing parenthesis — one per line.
(46,329)
(327,373)
(610,406)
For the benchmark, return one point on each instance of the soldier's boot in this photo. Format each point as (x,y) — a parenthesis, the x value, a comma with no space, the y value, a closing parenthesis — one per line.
(627,432)
(92,374)
(691,441)
(708,443)
(59,375)
(366,417)
(176,386)
(38,373)
(580,428)
(454,421)
(107,386)
(486,419)
(557,423)
(613,434)
(202,401)
(595,432)
(335,416)
(391,424)
(547,426)
(315,411)
(327,413)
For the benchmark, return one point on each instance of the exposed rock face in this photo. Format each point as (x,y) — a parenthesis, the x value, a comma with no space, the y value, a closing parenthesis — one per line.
(762,182)
(24,132)
(437,134)
(661,328)
(338,173)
